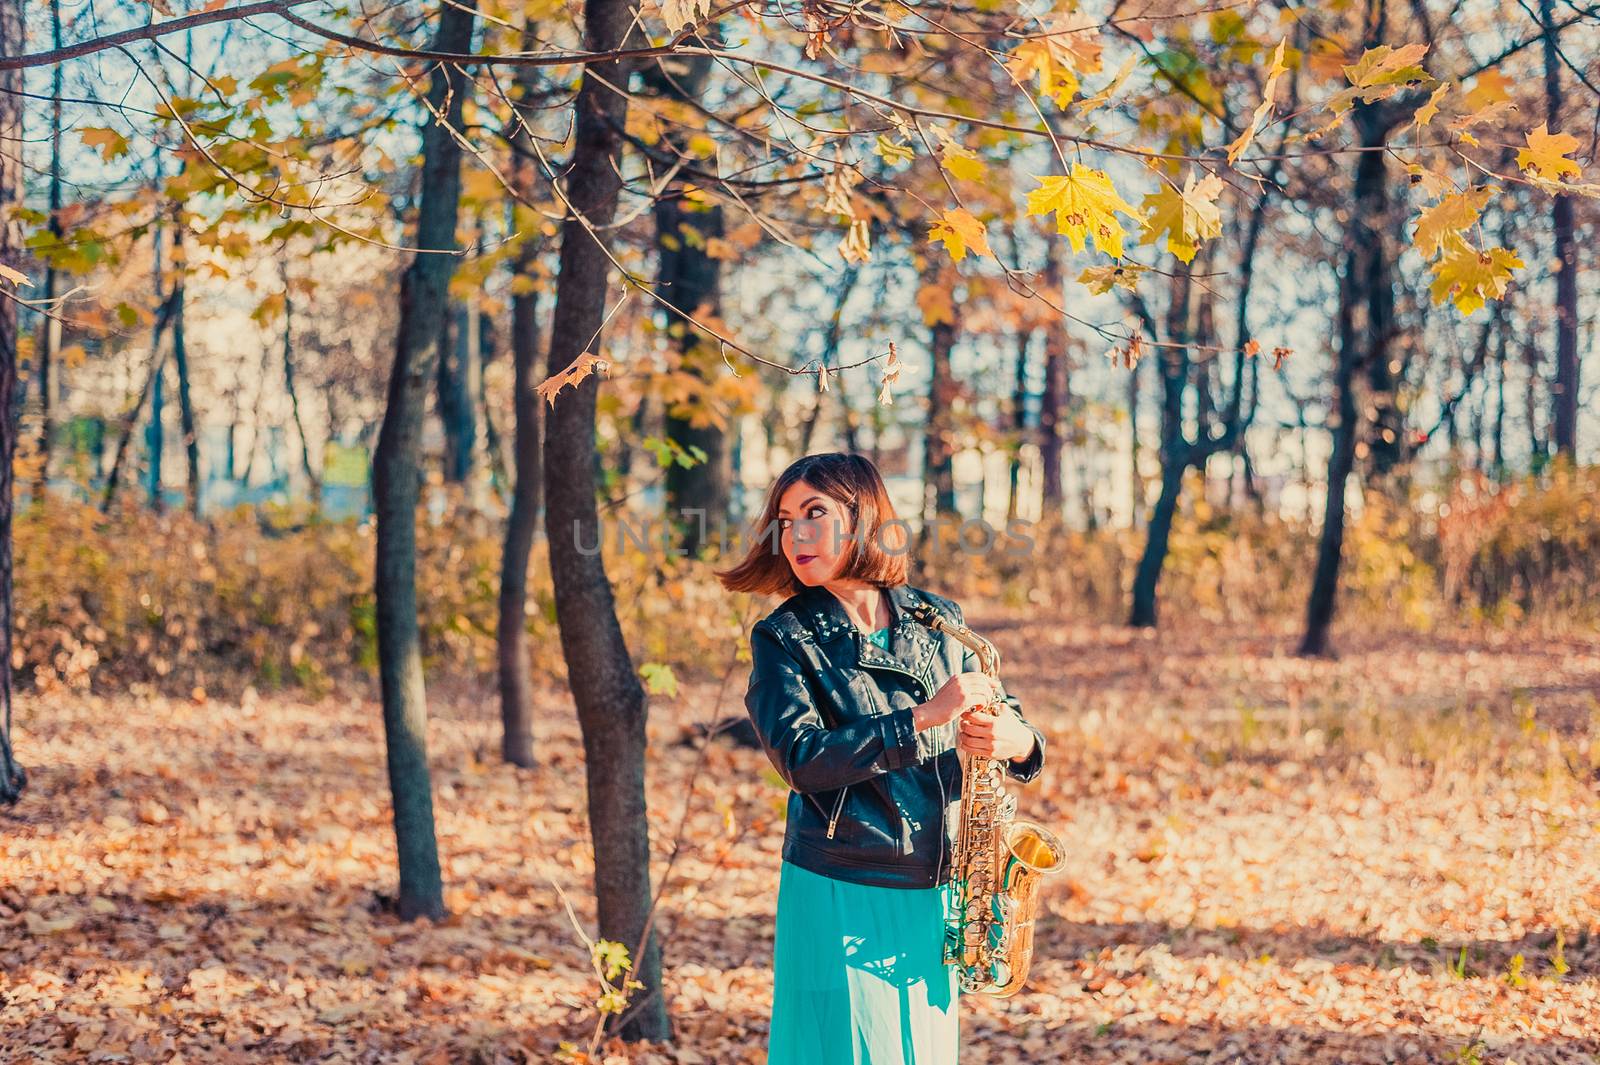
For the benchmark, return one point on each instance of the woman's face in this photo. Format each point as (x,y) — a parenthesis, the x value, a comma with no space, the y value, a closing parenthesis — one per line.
(815,528)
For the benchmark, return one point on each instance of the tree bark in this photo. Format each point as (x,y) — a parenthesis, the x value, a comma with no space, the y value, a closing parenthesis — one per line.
(12,776)
(940,484)
(1053,402)
(396,476)
(154,437)
(1019,423)
(611,702)
(51,341)
(456,412)
(291,387)
(1176,453)
(527,494)
(131,420)
(180,363)
(1564,415)
(1366,327)
(688,282)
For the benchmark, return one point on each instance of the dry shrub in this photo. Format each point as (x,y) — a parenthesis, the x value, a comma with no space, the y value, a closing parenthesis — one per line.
(278,597)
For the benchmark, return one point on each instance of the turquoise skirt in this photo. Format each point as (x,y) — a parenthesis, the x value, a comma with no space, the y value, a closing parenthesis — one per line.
(859,975)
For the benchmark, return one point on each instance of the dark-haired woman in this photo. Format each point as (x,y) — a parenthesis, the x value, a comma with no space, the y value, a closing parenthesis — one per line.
(862,709)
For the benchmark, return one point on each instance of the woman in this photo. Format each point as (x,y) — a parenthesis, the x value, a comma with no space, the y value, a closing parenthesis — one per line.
(861,709)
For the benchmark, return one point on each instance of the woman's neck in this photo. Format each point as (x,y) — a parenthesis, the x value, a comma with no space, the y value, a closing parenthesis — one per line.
(865,604)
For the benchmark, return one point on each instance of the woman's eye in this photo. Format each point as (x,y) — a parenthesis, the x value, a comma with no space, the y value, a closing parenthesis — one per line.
(784,523)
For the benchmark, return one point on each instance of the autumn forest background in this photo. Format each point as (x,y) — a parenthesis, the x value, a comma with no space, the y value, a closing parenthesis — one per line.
(336,338)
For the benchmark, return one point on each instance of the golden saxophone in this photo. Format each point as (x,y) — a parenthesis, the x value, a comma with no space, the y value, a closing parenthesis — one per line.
(998,861)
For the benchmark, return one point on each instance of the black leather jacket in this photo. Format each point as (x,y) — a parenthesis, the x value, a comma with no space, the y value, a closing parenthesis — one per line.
(873,801)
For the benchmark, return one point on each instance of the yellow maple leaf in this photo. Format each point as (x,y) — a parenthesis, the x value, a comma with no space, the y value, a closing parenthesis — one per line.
(961,161)
(109,141)
(1426,112)
(1380,73)
(1268,92)
(1546,154)
(1069,46)
(1449,217)
(959,230)
(1086,204)
(1186,217)
(1469,276)
(1102,279)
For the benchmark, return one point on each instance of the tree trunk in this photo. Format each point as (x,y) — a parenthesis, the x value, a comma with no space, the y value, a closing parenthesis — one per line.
(1366,326)
(940,483)
(1136,496)
(1158,535)
(1019,423)
(51,344)
(456,356)
(396,476)
(610,701)
(12,776)
(527,494)
(688,282)
(1176,454)
(493,441)
(1053,402)
(180,362)
(1564,415)
(312,480)
(131,419)
(154,438)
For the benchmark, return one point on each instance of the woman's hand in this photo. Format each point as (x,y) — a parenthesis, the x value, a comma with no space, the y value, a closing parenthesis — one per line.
(962,692)
(1000,736)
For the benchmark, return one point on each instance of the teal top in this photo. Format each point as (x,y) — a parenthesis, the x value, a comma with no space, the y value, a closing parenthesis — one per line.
(881,637)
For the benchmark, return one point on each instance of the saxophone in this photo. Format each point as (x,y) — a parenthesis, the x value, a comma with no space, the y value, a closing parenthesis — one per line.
(998,860)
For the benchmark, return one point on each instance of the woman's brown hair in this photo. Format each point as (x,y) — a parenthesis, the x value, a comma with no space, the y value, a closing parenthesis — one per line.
(875,550)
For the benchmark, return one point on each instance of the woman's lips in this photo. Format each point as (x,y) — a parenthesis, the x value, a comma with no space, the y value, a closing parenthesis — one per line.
(804,560)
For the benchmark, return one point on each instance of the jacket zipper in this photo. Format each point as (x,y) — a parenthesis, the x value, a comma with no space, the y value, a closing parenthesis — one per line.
(834,820)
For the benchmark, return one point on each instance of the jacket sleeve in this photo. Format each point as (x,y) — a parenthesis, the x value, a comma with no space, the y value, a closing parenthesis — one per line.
(809,755)
(1030,767)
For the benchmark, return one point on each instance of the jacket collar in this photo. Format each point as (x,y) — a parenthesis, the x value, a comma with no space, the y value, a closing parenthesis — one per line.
(911,644)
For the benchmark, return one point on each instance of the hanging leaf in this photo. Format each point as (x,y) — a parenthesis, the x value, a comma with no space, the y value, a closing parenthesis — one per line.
(1449,217)
(1545,155)
(1102,279)
(959,230)
(679,13)
(1086,205)
(891,374)
(1380,73)
(1426,112)
(1069,46)
(574,374)
(1268,93)
(1468,276)
(1186,218)
(111,143)
(857,244)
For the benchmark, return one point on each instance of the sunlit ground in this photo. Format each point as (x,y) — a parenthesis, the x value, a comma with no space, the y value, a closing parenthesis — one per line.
(1389,858)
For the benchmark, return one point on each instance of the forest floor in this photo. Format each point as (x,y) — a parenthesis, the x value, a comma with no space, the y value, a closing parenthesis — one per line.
(1391,857)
